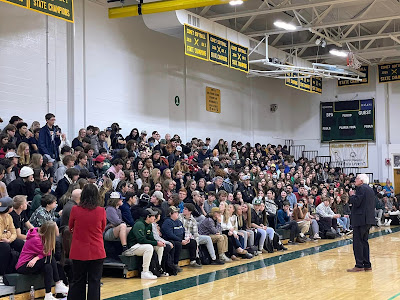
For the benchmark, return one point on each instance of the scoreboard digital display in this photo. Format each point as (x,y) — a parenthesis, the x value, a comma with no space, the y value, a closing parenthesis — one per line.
(348,120)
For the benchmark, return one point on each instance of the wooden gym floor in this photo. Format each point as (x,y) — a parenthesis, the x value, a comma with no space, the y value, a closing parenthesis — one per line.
(314,270)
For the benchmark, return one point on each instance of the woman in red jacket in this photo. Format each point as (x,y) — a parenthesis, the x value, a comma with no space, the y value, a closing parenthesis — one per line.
(87,223)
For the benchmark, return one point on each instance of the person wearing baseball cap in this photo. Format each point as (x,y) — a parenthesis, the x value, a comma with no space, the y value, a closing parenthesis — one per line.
(98,164)
(173,231)
(211,226)
(24,185)
(174,157)
(257,221)
(8,235)
(141,242)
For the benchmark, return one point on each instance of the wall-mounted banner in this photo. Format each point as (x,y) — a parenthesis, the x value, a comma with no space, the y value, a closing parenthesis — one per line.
(388,72)
(207,46)
(61,9)
(213,100)
(307,84)
(348,82)
(219,50)
(239,57)
(316,85)
(350,155)
(196,42)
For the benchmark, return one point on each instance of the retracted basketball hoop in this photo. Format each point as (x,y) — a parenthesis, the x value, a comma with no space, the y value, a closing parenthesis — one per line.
(352,61)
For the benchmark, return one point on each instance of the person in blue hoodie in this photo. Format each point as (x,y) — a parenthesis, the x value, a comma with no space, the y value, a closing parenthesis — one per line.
(173,231)
(49,138)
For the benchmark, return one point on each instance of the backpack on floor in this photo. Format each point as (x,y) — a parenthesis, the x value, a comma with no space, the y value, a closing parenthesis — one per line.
(204,256)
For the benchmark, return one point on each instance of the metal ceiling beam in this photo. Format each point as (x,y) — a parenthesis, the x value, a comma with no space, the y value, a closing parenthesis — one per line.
(257,12)
(379,32)
(325,25)
(205,10)
(394,38)
(361,14)
(378,50)
(347,40)
(252,18)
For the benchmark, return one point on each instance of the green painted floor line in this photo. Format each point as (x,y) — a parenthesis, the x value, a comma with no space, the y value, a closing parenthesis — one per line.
(178,285)
(394,297)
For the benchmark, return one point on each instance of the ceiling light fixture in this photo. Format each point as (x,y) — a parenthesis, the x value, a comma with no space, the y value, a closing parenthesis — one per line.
(338,53)
(285,25)
(235,2)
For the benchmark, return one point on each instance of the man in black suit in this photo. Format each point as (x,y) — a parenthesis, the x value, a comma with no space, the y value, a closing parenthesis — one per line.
(362,218)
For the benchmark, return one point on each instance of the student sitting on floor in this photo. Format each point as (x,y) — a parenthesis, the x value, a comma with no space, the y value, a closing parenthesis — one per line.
(37,257)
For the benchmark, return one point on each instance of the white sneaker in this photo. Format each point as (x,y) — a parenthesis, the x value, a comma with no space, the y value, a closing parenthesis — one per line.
(61,288)
(316,236)
(388,223)
(301,234)
(225,258)
(49,296)
(148,275)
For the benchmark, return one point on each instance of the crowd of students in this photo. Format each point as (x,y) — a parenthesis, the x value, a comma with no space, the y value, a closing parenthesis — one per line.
(153,197)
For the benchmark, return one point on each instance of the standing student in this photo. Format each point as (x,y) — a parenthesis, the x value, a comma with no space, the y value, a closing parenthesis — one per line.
(37,257)
(87,223)
(49,138)
(362,218)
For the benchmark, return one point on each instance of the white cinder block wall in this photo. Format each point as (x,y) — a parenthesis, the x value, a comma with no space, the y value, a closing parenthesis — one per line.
(100,71)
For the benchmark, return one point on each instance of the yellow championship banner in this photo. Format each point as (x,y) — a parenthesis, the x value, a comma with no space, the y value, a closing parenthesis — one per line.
(60,9)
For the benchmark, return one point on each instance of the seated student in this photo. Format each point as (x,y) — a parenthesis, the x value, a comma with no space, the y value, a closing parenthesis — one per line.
(210,203)
(258,222)
(343,220)
(173,231)
(300,215)
(47,167)
(312,214)
(198,202)
(75,200)
(271,208)
(130,200)
(82,161)
(71,176)
(116,229)
(284,222)
(156,201)
(43,189)
(327,218)
(3,187)
(36,257)
(167,262)
(20,219)
(211,226)
(68,162)
(23,185)
(234,245)
(141,242)
(8,237)
(222,196)
(243,213)
(46,212)
(190,225)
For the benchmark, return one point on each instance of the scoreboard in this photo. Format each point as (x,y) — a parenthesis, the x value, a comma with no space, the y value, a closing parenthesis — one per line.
(348,120)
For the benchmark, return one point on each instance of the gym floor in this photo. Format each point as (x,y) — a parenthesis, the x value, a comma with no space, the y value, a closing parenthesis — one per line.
(313,270)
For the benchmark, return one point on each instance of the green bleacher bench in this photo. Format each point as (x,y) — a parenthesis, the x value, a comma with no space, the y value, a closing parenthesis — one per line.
(23,283)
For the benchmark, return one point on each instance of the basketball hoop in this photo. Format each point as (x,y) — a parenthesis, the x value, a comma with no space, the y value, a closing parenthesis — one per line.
(352,61)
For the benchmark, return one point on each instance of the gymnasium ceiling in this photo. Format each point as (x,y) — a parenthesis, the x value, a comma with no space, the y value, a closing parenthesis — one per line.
(370,28)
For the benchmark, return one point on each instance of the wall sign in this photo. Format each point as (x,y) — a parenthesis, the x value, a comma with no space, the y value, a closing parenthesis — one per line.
(219,50)
(61,9)
(388,72)
(348,82)
(352,155)
(213,100)
(177,101)
(207,46)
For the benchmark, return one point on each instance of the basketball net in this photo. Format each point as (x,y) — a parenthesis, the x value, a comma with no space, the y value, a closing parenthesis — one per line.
(352,61)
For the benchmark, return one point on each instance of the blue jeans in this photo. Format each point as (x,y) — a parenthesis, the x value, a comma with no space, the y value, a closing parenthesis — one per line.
(344,222)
